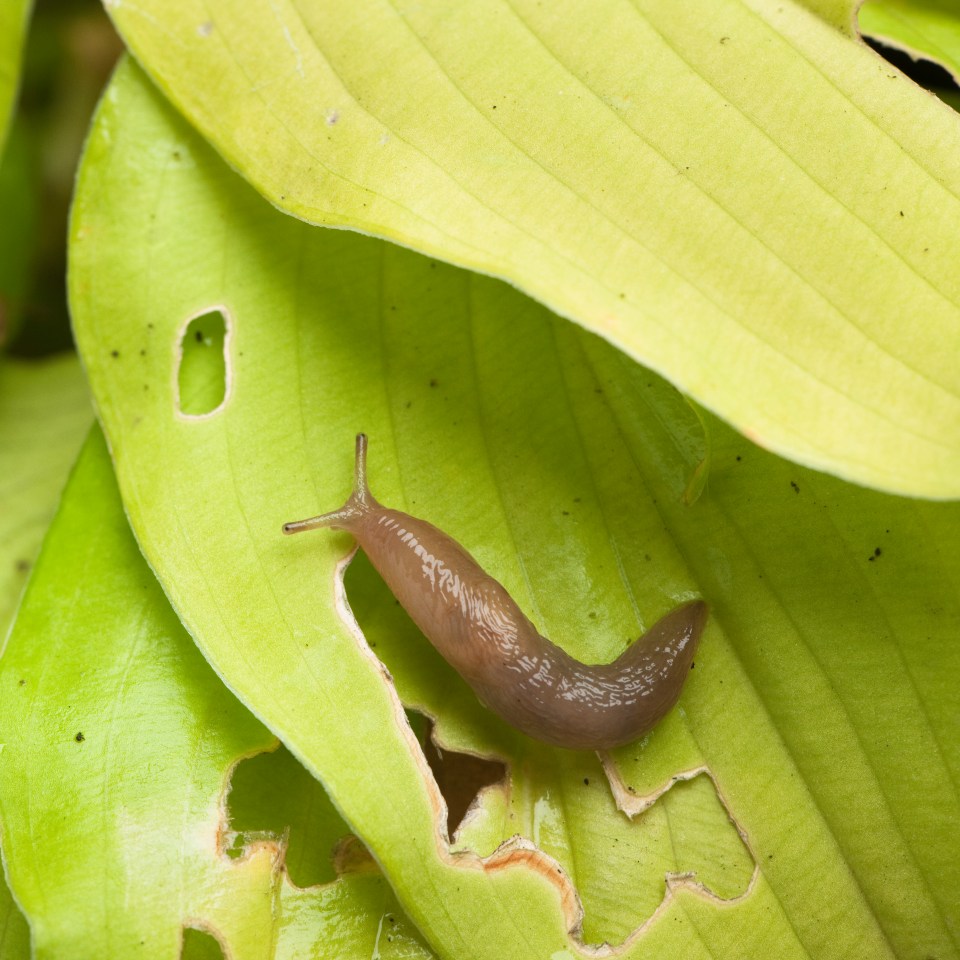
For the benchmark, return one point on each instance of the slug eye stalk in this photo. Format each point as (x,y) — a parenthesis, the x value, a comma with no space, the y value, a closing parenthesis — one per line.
(361,500)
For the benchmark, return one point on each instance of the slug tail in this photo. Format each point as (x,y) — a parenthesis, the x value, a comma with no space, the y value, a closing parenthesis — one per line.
(672,640)
(361,501)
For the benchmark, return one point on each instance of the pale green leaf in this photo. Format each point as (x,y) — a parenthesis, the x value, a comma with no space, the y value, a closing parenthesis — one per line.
(819,717)
(44,413)
(117,741)
(923,28)
(740,195)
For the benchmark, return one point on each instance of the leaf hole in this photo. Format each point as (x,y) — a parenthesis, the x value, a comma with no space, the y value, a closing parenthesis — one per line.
(273,799)
(203,374)
(928,74)
(200,945)
(413,663)
(460,776)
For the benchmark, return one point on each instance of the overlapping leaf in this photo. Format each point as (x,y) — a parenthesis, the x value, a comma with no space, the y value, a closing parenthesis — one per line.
(740,195)
(117,742)
(44,413)
(820,709)
(924,28)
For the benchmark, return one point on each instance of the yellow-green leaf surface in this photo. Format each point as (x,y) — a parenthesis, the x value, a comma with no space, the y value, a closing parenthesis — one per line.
(13,26)
(923,28)
(817,732)
(117,743)
(739,194)
(44,413)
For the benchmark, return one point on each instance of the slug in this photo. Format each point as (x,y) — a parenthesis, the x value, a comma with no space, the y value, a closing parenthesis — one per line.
(478,628)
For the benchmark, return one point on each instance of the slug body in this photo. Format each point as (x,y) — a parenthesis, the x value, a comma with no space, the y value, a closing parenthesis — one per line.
(482,633)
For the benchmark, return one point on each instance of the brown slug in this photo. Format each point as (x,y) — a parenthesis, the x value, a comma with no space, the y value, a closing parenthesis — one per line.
(482,633)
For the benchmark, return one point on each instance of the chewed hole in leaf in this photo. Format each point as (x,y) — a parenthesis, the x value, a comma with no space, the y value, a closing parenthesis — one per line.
(928,74)
(460,777)
(559,800)
(273,798)
(200,945)
(203,376)
(623,870)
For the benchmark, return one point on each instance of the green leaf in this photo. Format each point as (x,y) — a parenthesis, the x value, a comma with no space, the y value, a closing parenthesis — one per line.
(14,15)
(923,28)
(117,743)
(44,413)
(741,196)
(820,717)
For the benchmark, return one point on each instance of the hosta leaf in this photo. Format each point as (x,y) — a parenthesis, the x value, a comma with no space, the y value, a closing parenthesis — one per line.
(820,712)
(117,742)
(44,413)
(924,28)
(740,195)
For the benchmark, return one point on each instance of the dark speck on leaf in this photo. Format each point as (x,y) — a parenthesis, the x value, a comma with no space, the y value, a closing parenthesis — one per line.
(586,781)
(114,354)
(79,738)
(434,383)
(23,683)
(22,565)
(876,553)
(793,484)
(199,336)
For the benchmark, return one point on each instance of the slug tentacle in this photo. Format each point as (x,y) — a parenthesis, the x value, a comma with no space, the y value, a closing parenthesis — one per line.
(360,503)
(478,628)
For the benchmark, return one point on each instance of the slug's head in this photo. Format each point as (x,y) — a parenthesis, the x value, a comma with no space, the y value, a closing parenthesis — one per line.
(360,504)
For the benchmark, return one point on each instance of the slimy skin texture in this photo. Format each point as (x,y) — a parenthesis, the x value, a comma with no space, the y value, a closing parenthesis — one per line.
(481,632)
